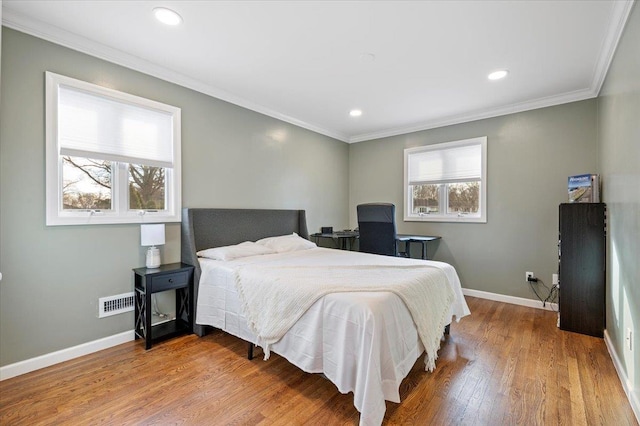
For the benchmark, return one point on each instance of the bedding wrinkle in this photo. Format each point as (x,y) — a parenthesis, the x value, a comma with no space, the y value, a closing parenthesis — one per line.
(275,297)
(365,342)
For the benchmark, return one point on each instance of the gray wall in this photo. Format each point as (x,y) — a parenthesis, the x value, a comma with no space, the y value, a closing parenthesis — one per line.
(619,164)
(232,157)
(530,156)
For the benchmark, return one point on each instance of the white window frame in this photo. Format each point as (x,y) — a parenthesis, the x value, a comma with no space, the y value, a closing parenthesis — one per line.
(481,217)
(56,215)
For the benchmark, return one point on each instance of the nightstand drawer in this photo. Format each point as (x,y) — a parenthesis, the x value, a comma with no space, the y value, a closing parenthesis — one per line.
(170,281)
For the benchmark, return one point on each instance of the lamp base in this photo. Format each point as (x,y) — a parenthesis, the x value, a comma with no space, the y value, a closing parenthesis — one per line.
(153,258)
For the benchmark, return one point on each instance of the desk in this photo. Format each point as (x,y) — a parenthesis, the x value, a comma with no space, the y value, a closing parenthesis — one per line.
(343,239)
(422,239)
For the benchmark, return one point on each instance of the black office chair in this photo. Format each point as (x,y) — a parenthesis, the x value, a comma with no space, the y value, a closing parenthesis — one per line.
(377,226)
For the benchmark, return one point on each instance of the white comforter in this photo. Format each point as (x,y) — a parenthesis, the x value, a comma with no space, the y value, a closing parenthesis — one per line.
(275,297)
(364,342)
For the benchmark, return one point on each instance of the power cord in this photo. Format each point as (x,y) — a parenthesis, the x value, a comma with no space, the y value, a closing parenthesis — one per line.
(552,295)
(154,308)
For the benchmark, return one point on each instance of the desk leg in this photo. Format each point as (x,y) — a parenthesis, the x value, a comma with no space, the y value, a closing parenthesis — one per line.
(424,250)
(350,242)
(407,248)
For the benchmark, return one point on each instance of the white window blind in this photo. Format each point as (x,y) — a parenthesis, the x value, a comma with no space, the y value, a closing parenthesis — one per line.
(445,165)
(100,127)
(91,122)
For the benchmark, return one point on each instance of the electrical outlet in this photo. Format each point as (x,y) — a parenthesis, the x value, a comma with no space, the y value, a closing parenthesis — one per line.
(554,279)
(628,339)
(527,276)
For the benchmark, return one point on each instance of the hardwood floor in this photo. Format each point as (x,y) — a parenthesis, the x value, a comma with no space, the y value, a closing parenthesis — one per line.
(504,364)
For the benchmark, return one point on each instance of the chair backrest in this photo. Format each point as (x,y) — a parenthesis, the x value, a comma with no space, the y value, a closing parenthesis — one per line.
(377,226)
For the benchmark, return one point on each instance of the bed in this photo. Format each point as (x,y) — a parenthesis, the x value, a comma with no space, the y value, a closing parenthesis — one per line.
(365,341)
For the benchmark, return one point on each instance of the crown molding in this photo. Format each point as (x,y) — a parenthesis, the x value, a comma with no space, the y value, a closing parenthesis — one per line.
(619,17)
(73,41)
(564,98)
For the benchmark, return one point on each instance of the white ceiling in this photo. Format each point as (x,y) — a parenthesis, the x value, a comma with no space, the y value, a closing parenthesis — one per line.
(302,61)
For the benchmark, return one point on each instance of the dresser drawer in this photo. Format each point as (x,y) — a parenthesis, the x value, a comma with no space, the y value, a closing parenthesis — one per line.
(169,281)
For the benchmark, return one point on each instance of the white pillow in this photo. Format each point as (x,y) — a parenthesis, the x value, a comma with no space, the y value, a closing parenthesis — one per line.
(286,243)
(237,251)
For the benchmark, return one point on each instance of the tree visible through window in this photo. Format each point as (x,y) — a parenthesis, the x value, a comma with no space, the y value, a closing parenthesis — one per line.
(146,187)
(426,199)
(464,197)
(87,185)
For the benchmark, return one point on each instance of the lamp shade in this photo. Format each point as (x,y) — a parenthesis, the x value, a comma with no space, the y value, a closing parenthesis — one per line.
(152,235)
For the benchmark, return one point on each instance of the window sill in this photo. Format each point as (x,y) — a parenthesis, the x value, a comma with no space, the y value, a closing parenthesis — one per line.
(105,219)
(452,219)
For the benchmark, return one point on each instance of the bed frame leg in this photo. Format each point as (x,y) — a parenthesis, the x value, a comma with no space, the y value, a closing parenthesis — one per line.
(447,329)
(250,352)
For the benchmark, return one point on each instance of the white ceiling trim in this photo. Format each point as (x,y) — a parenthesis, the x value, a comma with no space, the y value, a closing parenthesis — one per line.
(577,95)
(73,41)
(621,12)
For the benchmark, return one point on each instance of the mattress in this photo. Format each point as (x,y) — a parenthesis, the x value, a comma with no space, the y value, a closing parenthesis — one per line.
(364,342)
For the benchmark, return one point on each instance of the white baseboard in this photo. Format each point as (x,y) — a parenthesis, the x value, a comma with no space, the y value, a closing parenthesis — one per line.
(510,299)
(632,395)
(46,360)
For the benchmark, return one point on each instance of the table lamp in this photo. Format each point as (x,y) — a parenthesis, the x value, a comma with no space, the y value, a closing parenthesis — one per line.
(152,235)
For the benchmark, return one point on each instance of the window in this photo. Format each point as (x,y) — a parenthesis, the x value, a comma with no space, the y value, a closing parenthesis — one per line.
(111,157)
(446,182)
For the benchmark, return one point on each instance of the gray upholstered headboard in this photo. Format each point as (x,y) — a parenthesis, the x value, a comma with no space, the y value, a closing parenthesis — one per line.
(204,228)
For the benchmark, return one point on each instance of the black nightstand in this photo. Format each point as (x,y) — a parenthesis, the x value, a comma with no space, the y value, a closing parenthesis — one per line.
(173,276)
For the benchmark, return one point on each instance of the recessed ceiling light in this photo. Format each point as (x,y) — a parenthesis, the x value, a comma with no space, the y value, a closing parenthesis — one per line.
(367,57)
(167,16)
(355,113)
(497,75)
